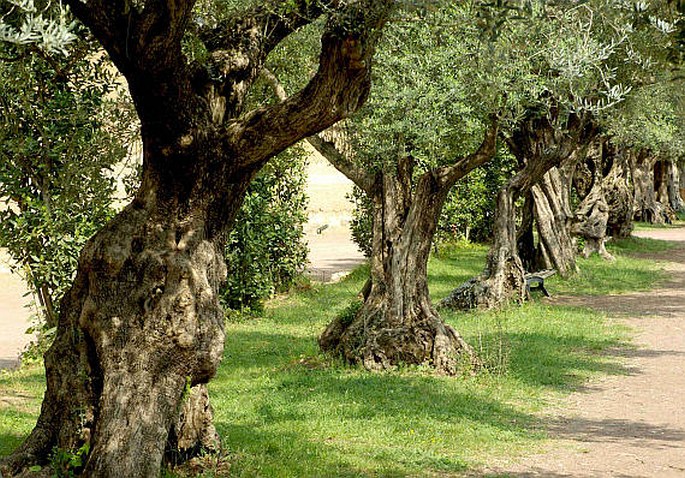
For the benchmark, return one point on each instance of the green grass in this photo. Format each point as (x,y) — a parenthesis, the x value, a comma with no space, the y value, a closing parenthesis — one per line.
(21,392)
(283,410)
(645,226)
(627,273)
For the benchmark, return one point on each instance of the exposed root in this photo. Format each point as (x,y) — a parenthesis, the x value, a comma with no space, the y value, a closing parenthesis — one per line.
(426,341)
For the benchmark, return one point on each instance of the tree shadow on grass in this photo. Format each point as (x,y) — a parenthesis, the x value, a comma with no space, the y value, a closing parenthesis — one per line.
(563,363)
(356,423)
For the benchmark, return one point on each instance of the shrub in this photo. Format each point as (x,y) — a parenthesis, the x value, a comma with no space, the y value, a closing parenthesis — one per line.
(266,250)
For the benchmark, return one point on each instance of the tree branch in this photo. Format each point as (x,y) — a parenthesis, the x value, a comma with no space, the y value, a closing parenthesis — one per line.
(266,25)
(449,175)
(339,88)
(135,39)
(109,21)
(326,146)
(342,163)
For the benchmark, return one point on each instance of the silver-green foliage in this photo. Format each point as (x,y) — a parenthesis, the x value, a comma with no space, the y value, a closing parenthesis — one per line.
(60,135)
(45,25)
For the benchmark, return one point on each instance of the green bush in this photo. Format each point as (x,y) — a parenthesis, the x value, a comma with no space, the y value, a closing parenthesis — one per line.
(266,251)
(61,132)
(469,211)
(361,225)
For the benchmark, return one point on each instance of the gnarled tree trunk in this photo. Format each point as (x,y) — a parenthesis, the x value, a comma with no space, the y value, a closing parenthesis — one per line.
(646,208)
(502,280)
(666,188)
(539,145)
(554,219)
(397,323)
(141,323)
(592,213)
(618,192)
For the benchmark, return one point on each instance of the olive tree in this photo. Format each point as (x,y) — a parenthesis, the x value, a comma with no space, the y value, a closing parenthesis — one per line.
(586,58)
(431,119)
(141,323)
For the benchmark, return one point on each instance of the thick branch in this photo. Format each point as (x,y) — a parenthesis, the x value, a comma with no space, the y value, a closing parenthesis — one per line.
(448,175)
(339,88)
(342,163)
(326,147)
(109,20)
(266,25)
(147,40)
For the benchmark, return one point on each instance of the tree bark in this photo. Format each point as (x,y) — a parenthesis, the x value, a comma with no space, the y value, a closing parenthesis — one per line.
(554,220)
(666,182)
(674,199)
(646,207)
(592,213)
(141,324)
(539,143)
(397,323)
(619,192)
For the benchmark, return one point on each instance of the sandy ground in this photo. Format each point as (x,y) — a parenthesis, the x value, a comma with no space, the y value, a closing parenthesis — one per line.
(13,315)
(331,250)
(627,426)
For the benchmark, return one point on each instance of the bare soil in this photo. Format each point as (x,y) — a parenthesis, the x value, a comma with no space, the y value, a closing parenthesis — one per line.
(631,425)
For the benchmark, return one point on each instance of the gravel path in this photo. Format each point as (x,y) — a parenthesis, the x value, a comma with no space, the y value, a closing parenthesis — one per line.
(632,425)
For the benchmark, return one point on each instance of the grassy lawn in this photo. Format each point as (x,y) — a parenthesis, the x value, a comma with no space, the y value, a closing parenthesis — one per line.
(283,410)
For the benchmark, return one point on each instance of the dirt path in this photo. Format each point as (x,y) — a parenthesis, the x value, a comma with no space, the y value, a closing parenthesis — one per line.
(627,426)
(13,315)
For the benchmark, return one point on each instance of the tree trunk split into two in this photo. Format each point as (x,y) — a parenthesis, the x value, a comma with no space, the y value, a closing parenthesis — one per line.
(539,145)
(397,323)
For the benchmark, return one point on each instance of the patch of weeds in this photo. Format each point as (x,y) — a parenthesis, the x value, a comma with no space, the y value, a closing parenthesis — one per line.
(347,315)
(68,464)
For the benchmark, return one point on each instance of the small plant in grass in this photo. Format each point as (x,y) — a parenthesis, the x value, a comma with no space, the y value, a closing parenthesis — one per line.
(348,314)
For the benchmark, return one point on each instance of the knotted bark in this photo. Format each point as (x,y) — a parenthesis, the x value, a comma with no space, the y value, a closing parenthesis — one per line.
(397,323)
(540,144)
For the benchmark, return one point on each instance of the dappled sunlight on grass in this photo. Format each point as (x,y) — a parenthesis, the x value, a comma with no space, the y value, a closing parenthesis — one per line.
(285,410)
(21,392)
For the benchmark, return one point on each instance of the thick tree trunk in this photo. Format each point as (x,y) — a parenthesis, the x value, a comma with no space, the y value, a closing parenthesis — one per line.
(666,188)
(592,213)
(646,207)
(675,200)
(539,146)
(397,323)
(554,219)
(141,325)
(618,192)
(502,280)
(525,237)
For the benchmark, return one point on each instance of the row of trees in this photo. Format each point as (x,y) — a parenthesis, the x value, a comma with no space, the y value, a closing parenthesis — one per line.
(571,90)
